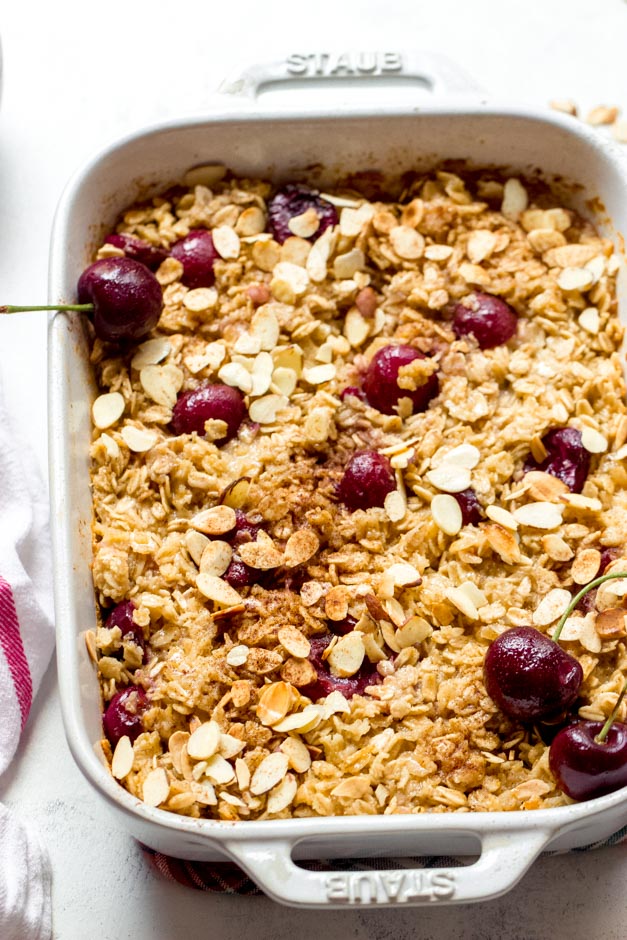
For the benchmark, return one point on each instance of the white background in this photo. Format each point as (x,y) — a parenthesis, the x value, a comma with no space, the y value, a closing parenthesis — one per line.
(79,74)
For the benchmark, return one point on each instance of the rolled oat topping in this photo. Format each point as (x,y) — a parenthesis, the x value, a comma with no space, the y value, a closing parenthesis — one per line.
(296,638)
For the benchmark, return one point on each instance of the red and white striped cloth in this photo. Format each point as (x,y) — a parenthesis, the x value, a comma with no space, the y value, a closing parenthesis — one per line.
(26,643)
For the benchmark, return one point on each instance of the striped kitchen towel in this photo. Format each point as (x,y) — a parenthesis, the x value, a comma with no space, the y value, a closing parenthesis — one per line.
(26,643)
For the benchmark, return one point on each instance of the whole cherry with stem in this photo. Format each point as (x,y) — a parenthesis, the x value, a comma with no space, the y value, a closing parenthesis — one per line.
(529,675)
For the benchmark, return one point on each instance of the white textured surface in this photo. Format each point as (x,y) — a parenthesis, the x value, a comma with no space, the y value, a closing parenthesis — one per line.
(75,79)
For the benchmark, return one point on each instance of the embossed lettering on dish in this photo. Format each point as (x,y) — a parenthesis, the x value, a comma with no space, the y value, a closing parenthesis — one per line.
(343,63)
(385,887)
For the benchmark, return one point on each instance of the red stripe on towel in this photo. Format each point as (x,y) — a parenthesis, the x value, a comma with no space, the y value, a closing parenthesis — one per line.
(11,642)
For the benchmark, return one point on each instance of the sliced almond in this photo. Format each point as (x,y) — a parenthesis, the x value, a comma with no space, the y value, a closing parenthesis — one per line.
(242,773)
(264,410)
(575,279)
(449,478)
(586,503)
(304,721)
(551,607)
(318,425)
(414,631)
(306,224)
(169,271)
(156,787)
(502,517)
(347,655)
(402,574)
(539,515)
(206,174)
(282,795)
(446,513)
(236,493)
(356,328)
(346,265)
(214,521)
(300,547)
(407,242)
(556,548)
(586,565)
(311,592)
(219,771)
(481,244)
(590,321)
(294,642)
(318,375)
(293,275)
(299,758)
(196,543)
(200,299)
(162,383)
(237,655)
(270,771)
(503,543)
(583,630)
(265,327)
(438,252)
(211,358)
(204,741)
(216,558)
(177,743)
(610,624)
(139,440)
(318,257)
(263,367)
(123,758)
(284,381)
(237,376)
(226,242)
(593,441)
(463,603)
(353,220)
(395,506)
(217,590)
(107,409)
(544,486)
(275,701)
(262,554)
(335,704)
(336,603)
(464,455)
(515,199)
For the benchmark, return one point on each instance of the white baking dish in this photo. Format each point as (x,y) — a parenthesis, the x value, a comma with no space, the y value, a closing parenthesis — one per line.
(256,140)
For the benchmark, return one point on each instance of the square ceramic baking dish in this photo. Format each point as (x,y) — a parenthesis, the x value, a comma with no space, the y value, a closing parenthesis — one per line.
(441,116)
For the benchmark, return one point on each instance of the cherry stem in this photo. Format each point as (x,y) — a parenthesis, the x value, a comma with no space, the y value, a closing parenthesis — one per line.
(82,308)
(582,593)
(603,733)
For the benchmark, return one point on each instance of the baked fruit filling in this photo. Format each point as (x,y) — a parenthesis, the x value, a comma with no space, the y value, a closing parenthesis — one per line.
(369,437)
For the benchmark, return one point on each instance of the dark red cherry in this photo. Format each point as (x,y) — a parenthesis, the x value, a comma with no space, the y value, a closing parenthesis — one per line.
(124,714)
(293,200)
(367,480)
(122,617)
(197,254)
(221,402)
(567,458)
(472,510)
(342,627)
(585,768)
(240,575)
(381,380)
(489,319)
(326,683)
(529,676)
(244,531)
(138,250)
(126,298)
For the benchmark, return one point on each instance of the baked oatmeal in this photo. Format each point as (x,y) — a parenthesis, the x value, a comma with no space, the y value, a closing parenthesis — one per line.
(368,435)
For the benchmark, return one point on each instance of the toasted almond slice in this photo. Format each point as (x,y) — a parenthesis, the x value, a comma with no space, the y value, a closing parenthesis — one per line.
(356,327)
(446,513)
(346,265)
(476,595)
(336,603)
(203,793)
(304,225)
(110,445)
(304,721)
(211,358)
(334,704)
(407,242)
(156,787)
(207,174)
(107,409)
(354,219)
(262,554)
(556,548)
(288,357)
(515,199)
(214,521)
(252,221)
(274,703)
(503,543)
(539,515)
(311,592)
(292,274)
(464,455)
(570,256)
(586,565)
(264,410)
(571,279)
(219,771)
(242,773)
(265,327)
(551,607)
(300,547)
(587,503)
(481,244)
(230,746)
(318,375)
(235,375)
(593,441)
(395,506)
(396,612)
(177,742)
(226,241)
(139,440)
(583,630)
(347,655)
(402,574)
(463,603)
(237,655)
(294,642)
(216,558)
(299,758)
(162,383)
(318,425)
(610,624)
(544,486)
(414,631)
(596,267)
(590,321)
(262,373)
(438,252)
(270,771)
(204,741)
(200,299)
(282,795)
(284,381)
(247,345)
(123,758)
(196,543)
(169,271)
(449,478)
(502,516)
(236,493)
(218,590)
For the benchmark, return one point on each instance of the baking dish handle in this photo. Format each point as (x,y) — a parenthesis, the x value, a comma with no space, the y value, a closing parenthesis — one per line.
(505,857)
(428,71)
